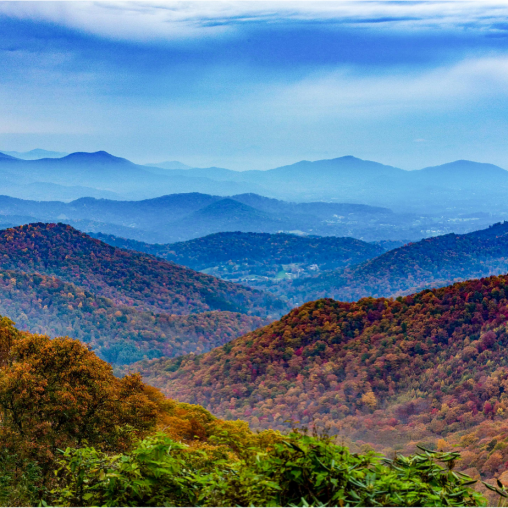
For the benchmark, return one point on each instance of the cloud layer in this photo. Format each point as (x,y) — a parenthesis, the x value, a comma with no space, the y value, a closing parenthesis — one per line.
(257,84)
(144,21)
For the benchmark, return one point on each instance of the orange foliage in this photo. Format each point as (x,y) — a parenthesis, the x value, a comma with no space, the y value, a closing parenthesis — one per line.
(392,373)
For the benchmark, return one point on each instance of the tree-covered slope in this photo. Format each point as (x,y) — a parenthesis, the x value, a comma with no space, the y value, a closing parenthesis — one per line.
(128,278)
(73,434)
(119,334)
(391,372)
(255,249)
(432,262)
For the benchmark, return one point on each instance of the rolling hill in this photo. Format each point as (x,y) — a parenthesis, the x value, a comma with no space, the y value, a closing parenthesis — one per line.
(258,260)
(255,248)
(128,278)
(229,215)
(119,334)
(432,262)
(426,369)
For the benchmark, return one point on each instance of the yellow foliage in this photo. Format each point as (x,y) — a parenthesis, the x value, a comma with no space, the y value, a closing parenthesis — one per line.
(369,400)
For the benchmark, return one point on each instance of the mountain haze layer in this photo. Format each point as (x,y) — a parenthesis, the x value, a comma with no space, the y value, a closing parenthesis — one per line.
(180,217)
(462,186)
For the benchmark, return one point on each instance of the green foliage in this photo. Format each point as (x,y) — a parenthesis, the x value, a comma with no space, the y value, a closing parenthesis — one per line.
(21,481)
(300,470)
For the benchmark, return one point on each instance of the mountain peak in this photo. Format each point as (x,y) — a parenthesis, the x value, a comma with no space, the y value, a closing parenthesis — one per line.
(8,157)
(229,205)
(463,165)
(94,157)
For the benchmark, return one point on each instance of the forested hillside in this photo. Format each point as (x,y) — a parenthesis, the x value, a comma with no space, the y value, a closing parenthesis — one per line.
(117,333)
(432,262)
(73,434)
(257,259)
(429,368)
(127,278)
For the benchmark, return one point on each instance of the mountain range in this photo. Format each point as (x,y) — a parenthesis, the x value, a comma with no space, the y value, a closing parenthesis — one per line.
(180,217)
(462,186)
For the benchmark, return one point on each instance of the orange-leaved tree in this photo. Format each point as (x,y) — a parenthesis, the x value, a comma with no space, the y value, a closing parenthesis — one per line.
(58,393)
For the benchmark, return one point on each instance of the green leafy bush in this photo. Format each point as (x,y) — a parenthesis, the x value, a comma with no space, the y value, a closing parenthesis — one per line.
(299,470)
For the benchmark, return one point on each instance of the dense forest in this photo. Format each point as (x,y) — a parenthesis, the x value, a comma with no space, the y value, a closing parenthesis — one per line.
(292,267)
(126,277)
(127,306)
(257,260)
(119,334)
(73,434)
(426,369)
(429,263)
(256,248)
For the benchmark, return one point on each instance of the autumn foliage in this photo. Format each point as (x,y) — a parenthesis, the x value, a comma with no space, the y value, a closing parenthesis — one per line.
(126,277)
(389,372)
(119,334)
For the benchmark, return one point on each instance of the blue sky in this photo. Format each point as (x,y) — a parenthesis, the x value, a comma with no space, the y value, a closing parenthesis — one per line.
(254,85)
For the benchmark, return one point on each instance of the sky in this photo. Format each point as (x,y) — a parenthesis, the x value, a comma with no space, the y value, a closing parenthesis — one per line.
(255,85)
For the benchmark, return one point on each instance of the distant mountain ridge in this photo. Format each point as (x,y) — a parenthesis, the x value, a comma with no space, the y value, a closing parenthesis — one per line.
(463,185)
(104,172)
(429,263)
(37,153)
(180,217)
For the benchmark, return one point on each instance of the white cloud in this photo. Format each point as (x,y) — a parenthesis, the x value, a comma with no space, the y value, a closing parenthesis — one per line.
(146,20)
(347,94)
